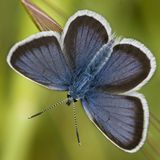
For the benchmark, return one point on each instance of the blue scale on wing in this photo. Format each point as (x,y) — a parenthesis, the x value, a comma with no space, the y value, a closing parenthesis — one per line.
(127,67)
(42,61)
(85,36)
(119,117)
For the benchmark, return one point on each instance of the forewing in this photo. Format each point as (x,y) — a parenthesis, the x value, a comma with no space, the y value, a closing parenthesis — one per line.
(40,59)
(43,21)
(84,34)
(130,66)
(123,119)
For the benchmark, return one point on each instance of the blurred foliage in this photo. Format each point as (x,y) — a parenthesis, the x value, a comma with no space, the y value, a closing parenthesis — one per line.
(52,135)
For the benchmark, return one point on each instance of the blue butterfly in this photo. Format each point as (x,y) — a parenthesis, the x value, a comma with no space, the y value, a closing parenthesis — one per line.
(95,68)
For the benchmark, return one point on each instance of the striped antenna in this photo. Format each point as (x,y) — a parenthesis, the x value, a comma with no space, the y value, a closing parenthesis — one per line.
(75,123)
(47,109)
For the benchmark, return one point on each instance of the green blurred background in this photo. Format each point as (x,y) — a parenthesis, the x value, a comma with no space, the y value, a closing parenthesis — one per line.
(52,136)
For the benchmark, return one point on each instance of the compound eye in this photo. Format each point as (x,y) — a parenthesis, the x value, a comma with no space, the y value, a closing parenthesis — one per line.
(68,95)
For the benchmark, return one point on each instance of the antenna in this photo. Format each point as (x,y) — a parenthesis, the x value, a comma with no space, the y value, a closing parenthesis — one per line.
(47,109)
(75,123)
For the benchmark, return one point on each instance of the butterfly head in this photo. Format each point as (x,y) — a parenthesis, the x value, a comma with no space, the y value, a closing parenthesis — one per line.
(70,99)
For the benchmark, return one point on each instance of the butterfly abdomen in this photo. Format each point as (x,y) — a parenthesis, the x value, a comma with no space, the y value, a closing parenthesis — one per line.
(100,59)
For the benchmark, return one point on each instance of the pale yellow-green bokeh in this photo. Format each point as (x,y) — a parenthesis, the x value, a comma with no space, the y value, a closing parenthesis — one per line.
(52,136)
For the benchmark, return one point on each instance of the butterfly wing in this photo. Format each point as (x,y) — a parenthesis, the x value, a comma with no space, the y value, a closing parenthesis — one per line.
(130,66)
(84,34)
(123,119)
(40,59)
(43,21)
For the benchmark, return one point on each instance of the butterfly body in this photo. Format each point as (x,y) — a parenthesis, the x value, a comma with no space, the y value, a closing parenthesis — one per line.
(83,81)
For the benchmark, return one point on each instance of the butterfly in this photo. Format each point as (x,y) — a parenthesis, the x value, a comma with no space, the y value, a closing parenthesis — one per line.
(96,68)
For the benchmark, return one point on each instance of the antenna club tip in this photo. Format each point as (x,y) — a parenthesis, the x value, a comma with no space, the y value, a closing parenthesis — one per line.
(29,117)
(35,115)
(79,144)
